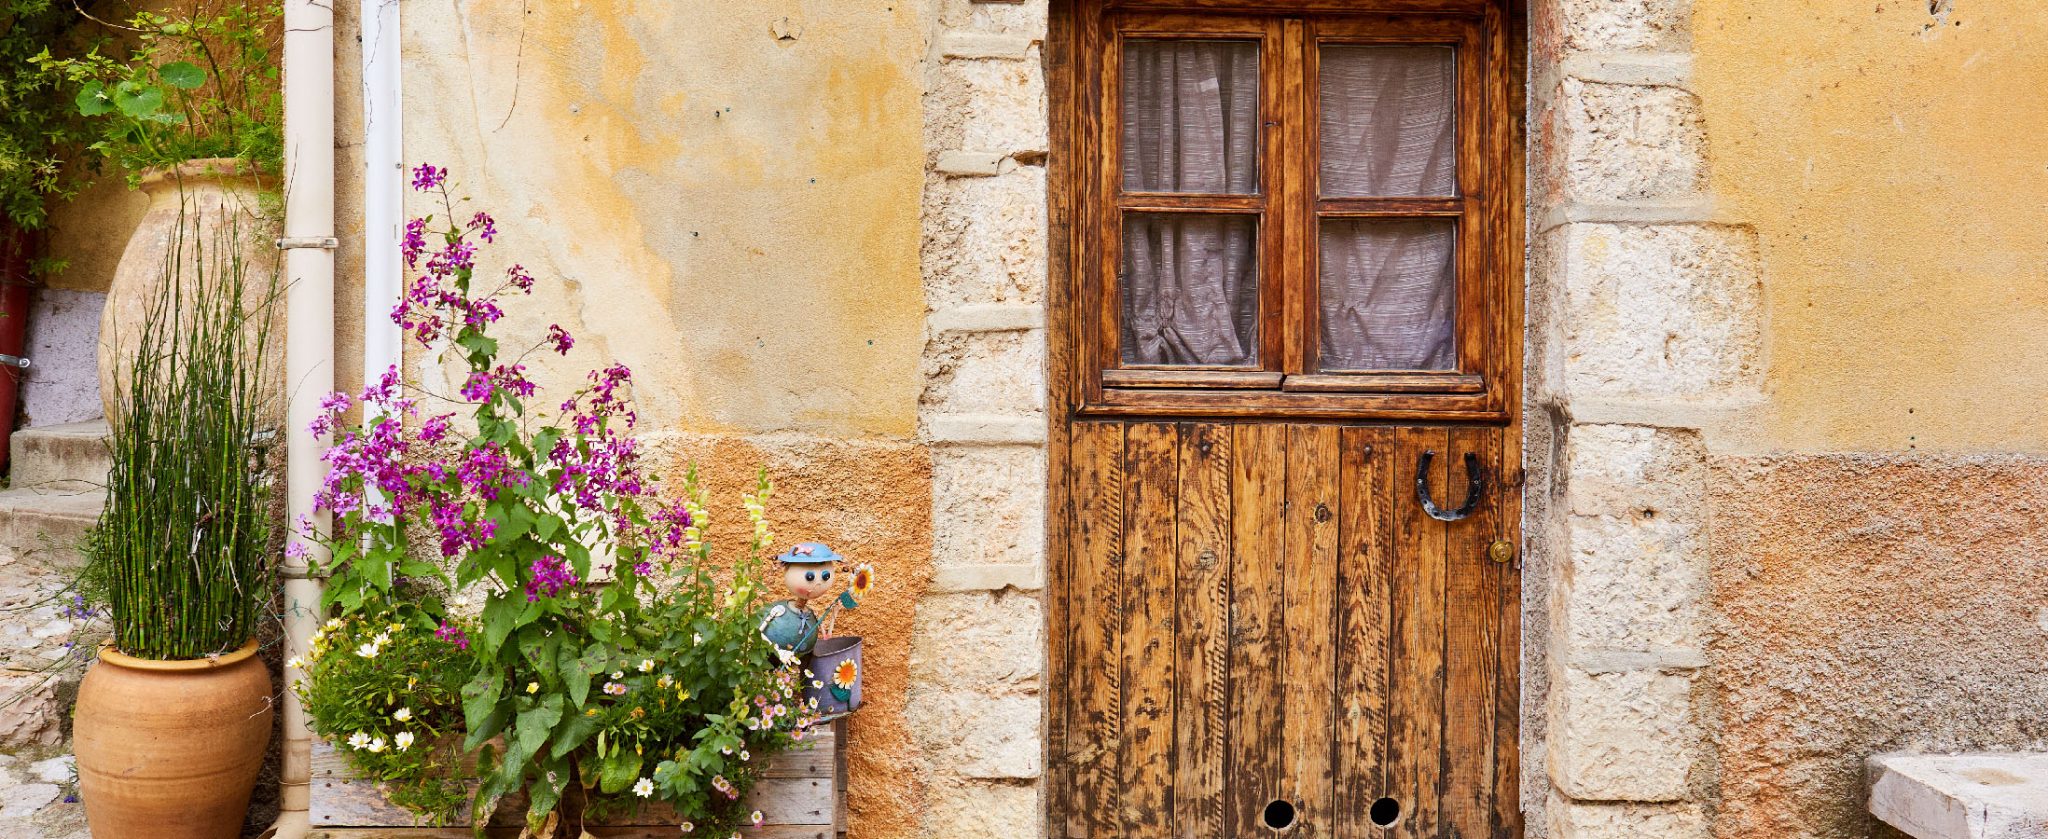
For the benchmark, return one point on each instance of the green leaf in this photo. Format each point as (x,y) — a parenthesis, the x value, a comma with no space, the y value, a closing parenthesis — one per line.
(94,101)
(621,769)
(183,75)
(500,616)
(576,675)
(573,731)
(530,732)
(481,712)
(139,101)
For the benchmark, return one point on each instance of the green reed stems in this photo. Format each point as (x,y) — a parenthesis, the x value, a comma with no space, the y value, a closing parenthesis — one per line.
(181,554)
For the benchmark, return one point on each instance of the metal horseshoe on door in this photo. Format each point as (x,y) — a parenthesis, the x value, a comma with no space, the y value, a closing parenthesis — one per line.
(1475,487)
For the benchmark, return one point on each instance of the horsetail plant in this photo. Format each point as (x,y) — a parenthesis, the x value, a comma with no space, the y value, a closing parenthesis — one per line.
(181,553)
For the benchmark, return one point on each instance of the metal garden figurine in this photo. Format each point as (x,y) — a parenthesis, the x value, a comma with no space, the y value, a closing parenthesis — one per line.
(807,571)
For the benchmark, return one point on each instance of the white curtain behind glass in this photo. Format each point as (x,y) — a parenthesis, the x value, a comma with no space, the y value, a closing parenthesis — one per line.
(1388,130)
(1388,121)
(1191,116)
(1190,281)
(1190,289)
(1387,294)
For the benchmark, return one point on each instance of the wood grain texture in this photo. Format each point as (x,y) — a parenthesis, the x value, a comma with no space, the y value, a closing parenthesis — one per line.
(1309,585)
(1202,681)
(1096,726)
(1416,661)
(1366,560)
(1152,478)
(1471,638)
(1258,539)
(800,787)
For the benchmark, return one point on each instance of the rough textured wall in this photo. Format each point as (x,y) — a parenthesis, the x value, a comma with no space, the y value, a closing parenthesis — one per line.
(725,197)
(1785,321)
(728,192)
(1886,155)
(1868,604)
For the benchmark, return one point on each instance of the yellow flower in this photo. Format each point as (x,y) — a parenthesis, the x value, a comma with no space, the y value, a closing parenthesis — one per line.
(532,687)
(844,674)
(863,579)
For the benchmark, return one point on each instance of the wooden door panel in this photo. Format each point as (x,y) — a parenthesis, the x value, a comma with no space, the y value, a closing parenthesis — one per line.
(1201,683)
(1264,611)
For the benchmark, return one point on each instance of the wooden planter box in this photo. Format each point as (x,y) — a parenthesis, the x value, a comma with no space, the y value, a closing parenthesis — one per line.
(802,794)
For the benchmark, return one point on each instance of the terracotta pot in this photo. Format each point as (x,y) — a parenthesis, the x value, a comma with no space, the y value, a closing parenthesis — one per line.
(203,200)
(170,749)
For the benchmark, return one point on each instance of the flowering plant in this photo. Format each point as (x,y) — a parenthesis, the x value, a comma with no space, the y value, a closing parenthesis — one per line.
(387,689)
(607,654)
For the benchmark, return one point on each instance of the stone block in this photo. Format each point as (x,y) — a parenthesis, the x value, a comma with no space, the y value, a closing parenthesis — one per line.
(1623,24)
(1622,736)
(974,735)
(996,105)
(63,341)
(1965,796)
(964,164)
(988,506)
(1631,470)
(978,643)
(1657,311)
(960,809)
(985,372)
(970,44)
(1012,17)
(986,577)
(1632,583)
(986,317)
(1626,143)
(984,240)
(1577,820)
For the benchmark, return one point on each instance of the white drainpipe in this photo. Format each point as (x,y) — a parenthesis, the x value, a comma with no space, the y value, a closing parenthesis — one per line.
(383,186)
(309,349)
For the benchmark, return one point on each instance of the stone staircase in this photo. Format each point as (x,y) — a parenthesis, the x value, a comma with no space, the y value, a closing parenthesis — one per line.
(55,490)
(54,496)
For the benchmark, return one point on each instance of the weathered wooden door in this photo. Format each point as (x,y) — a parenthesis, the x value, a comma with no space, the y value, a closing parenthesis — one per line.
(1285,486)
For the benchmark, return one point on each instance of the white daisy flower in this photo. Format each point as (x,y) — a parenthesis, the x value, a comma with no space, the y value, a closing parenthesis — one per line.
(646,665)
(359,740)
(403,740)
(643,788)
(295,663)
(402,714)
(367,651)
(376,745)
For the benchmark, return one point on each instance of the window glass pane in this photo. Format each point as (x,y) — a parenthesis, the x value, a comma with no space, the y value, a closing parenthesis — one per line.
(1191,116)
(1190,288)
(1388,121)
(1388,289)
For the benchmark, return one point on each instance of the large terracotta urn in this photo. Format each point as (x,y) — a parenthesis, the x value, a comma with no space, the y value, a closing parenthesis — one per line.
(194,208)
(171,749)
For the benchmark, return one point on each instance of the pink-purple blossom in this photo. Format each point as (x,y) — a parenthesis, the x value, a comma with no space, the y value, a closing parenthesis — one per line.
(550,576)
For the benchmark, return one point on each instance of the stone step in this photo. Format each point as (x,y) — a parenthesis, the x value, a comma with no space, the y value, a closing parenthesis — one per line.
(69,456)
(47,525)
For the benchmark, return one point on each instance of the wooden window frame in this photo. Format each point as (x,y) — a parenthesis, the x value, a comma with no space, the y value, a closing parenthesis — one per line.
(1286,382)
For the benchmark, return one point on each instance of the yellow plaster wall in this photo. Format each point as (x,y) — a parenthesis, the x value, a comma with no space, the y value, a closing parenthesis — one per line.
(1893,163)
(723,196)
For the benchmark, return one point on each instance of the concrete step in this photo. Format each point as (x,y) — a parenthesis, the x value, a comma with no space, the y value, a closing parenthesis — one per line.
(69,456)
(48,524)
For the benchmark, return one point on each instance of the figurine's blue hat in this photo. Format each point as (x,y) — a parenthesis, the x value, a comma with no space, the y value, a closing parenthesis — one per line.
(809,553)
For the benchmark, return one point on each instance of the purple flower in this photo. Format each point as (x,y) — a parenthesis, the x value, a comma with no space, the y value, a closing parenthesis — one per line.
(559,339)
(427,176)
(453,634)
(415,241)
(486,227)
(435,428)
(519,278)
(295,550)
(550,576)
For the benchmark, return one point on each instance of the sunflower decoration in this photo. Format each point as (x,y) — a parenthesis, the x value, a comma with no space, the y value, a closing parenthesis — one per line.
(843,677)
(863,579)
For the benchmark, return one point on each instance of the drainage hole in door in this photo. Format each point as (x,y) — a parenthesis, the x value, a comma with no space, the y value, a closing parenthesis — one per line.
(1279,815)
(1385,812)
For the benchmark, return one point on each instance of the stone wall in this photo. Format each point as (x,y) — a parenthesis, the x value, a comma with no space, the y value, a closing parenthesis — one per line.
(978,714)
(1645,322)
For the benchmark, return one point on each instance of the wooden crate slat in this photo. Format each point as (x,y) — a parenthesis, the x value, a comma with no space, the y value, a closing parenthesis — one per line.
(798,796)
